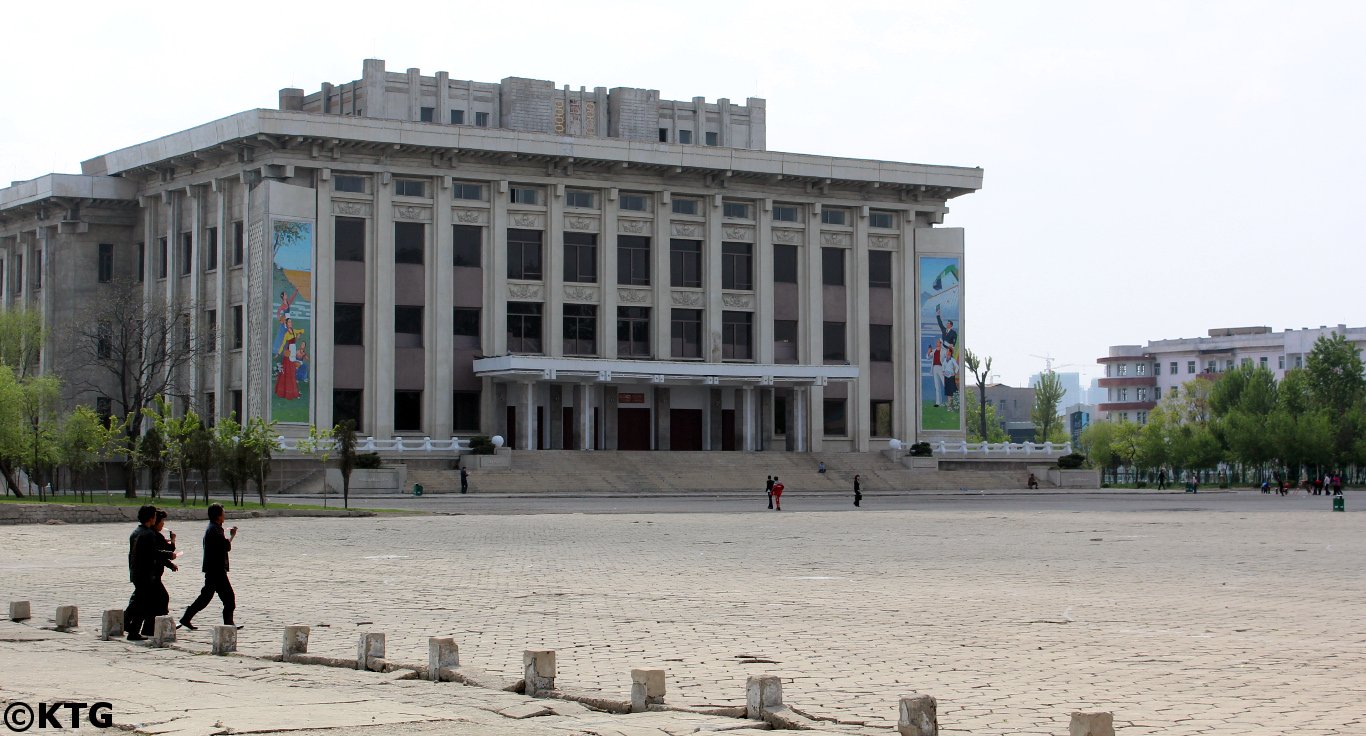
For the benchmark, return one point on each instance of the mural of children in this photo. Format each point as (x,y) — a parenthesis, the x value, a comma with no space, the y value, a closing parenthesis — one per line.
(286,382)
(950,369)
(282,314)
(302,373)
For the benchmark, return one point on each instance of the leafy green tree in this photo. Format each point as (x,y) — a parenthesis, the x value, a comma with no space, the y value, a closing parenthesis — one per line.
(175,435)
(1097,443)
(1154,446)
(976,419)
(232,460)
(22,336)
(345,433)
(1048,393)
(1127,443)
(1337,386)
(201,454)
(151,455)
(258,446)
(38,401)
(113,444)
(79,443)
(319,444)
(981,371)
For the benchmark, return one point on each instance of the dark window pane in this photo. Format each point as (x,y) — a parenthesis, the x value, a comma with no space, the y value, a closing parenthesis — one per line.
(237,327)
(780,415)
(833,339)
(211,249)
(349,239)
(737,335)
(880,418)
(881,219)
(238,243)
(580,329)
(685,206)
(346,405)
(833,216)
(467,242)
(106,263)
(348,184)
(686,333)
(685,262)
(410,242)
(410,187)
(467,191)
(408,411)
(466,322)
(457,117)
(880,343)
(579,198)
(633,260)
(407,326)
(736,269)
(634,202)
(524,327)
(580,258)
(785,213)
(465,411)
(832,266)
(785,341)
(186,253)
(835,423)
(785,264)
(880,268)
(736,209)
(633,332)
(348,324)
(524,254)
(426,114)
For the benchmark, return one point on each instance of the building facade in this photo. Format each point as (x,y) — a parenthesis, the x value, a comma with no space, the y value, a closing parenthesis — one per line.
(1138,376)
(432,257)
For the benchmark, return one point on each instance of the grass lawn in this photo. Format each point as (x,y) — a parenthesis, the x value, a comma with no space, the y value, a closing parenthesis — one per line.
(939,417)
(115,498)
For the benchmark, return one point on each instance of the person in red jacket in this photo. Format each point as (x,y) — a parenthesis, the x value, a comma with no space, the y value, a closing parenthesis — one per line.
(777,494)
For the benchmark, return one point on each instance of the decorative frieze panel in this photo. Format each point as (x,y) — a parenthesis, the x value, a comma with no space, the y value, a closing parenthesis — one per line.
(471,217)
(527,219)
(410,212)
(633,227)
(582,224)
(526,291)
(741,233)
(634,296)
(352,209)
(686,298)
(687,230)
(883,242)
(834,239)
(582,294)
(787,237)
(738,301)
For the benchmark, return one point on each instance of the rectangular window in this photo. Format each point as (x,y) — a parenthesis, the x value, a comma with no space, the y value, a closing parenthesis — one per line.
(210,331)
(345,183)
(1157,393)
(426,114)
(104,343)
(239,241)
(467,191)
(410,242)
(1171,368)
(348,239)
(407,326)
(1228,364)
(686,205)
(346,406)
(162,257)
(1280,362)
(186,254)
(633,332)
(780,415)
(580,329)
(1244,362)
(1141,393)
(141,265)
(836,424)
(685,262)
(738,210)
(410,188)
(457,117)
(1299,361)
(833,343)
(881,219)
(236,398)
(38,269)
(685,136)
(685,333)
(1176,391)
(211,249)
(106,263)
(880,343)
(785,341)
(633,260)
(737,271)
(1140,369)
(467,243)
(880,269)
(1261,362)
(465,411)
(1123,394)
(524,254)
(832,266)
(525,195)
(407,411)
(834,216)
(580,258)
(634,202)
(104,408)
(348,324)
(481,119)
(737,336)
(582,198)
(1122,369)
(1190,366)
(785,264)
(663,135)
(880,418)
(786,213)
(524,327)
(1157,369)
(465,322)
(711,138)
(237,327)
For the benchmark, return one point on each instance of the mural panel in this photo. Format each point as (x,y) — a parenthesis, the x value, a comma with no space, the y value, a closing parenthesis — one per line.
(941,300)
(292,287)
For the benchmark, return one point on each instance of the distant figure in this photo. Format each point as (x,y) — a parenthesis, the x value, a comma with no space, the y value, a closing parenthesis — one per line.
(777,494)
(464,479)
(215,567)
(1337,484)
(1161,479)
(820,467)
(858,490)
(1033,482)
(769,487)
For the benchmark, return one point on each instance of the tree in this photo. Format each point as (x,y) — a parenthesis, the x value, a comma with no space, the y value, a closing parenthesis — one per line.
(980,373)
(227,446)
(22,336)
(151,454)
(201,453)
(319,445)
(132,349)
(175,435)
(38,397)
(1127,443)
(257,446)
(345,433)
(1097,442)
(1048,393)
(1337,386)
(993,421)
(114,443)
(79,442)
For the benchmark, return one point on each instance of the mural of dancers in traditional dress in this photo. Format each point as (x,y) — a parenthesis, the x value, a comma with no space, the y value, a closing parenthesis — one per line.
(292,280)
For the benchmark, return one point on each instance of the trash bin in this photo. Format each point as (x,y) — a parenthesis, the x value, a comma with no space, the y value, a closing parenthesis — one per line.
(417,489)
(1339,503)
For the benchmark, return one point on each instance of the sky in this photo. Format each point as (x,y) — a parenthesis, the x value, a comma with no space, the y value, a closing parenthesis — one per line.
(1152,169)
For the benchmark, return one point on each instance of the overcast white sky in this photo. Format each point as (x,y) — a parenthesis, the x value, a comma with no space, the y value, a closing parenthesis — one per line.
(1153,169)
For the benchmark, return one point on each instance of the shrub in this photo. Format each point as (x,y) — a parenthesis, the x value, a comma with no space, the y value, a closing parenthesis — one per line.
(480,444)
(921,449)
(1072,462)
(368,461)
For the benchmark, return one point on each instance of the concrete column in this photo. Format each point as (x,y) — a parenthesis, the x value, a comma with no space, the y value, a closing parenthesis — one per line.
(583,414)
(493,331)
(918,716)
(746,406)
(555,413)
(765,418)
(370,651)
(324,309)
(812,349)
(193,304)
(111,624)
(799,427)
(711,281)
(856,406)
(443,98)
(647,689)
(715,427)
(163,631)
(527,431)
(815,418)
(171,231)
(414,94)
(379,328)
(661,417)
(539,669)
(249,248)
(68,618)
(552,330)
(295,641)
(224,309)
(763,282)
(437,413)
(905,334)
(442,654)
(609,417)
(224,639)
(661,310)
(607,272)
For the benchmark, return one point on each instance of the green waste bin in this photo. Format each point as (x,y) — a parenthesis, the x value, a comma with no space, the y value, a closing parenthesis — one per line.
(417,489)
(1339,503)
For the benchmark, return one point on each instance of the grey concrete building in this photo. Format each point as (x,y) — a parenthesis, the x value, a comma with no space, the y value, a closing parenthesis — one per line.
(569,269)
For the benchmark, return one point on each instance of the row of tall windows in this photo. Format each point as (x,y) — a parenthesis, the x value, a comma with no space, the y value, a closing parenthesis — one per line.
(349,404)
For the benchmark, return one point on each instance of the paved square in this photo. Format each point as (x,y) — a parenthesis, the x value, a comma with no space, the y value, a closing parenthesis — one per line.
(1181,622)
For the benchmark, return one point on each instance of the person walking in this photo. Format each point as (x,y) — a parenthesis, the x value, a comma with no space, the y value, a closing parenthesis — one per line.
(217,545)
(777,494)
(464,479)
(157,554)
(1161,479)
(770,492)
(133,614)
(1337,484)
(858,490)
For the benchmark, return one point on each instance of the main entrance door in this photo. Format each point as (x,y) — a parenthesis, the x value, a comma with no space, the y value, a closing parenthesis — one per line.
(728,429)
(685,429)
(511,439)
(633,429)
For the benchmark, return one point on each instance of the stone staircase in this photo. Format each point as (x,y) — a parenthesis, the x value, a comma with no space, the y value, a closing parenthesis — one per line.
(569,471)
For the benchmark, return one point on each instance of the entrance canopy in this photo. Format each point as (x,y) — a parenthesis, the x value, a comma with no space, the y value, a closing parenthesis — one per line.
(576,370)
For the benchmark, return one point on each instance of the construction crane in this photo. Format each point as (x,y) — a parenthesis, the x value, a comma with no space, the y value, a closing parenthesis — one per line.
(1048,362)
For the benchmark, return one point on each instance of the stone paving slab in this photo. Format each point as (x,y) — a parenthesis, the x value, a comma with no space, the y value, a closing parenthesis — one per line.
(1199,622)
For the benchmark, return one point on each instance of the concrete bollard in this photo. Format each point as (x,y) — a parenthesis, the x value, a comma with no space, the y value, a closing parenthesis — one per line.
(919,716)
(369,650)
(647,689)
(163,632)
(539,666)
(763,693)
(296,641)
(19,611)
(67,618)
(1092,724)
(111,624)
(442,654)
(224,639)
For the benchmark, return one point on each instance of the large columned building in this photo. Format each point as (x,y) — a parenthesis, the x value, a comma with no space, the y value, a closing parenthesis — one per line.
(569,269)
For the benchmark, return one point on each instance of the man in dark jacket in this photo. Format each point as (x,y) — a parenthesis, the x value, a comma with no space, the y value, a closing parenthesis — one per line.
(155,553)
(133,614)
(216,548)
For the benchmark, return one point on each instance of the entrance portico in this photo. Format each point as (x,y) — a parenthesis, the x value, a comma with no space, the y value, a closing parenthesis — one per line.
(587,403)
